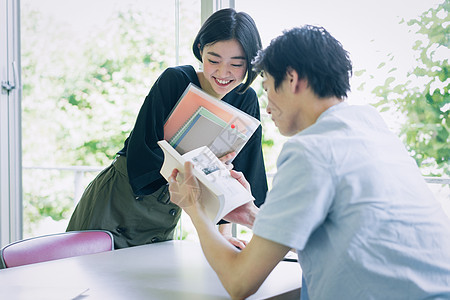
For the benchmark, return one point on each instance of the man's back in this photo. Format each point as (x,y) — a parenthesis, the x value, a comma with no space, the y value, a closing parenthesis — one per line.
(374,228)
(383,215)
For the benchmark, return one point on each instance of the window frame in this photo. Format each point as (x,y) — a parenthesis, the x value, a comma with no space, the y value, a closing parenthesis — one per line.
(10,124)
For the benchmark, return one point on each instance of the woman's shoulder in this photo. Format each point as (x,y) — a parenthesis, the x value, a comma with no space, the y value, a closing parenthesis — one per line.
(235,97)
(247,101)
(250,93)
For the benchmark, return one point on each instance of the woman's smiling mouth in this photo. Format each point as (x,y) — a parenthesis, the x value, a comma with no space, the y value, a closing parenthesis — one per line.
(222,82)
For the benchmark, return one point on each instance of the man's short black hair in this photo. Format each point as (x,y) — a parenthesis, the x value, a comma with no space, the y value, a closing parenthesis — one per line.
(314,54)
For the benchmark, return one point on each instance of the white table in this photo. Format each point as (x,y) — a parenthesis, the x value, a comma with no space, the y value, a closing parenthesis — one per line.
(168,270)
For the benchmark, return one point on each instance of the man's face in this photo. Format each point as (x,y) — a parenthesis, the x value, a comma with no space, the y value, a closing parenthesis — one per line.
(282,106)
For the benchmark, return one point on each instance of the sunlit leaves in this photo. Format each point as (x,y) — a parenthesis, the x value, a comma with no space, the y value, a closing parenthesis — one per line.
(423,96)
(82,93)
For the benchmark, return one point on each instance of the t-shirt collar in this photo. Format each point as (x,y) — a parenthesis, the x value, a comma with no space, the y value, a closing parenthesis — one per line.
(332,109)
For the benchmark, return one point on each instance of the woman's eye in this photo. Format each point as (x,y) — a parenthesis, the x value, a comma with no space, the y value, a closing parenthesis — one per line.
(212,61)
(237,65)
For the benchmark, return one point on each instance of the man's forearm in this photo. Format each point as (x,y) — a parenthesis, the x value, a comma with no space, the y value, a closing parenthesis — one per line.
(221,255)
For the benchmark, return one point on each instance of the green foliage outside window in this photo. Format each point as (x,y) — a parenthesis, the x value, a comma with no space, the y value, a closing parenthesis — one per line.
(82,93)
(422,97)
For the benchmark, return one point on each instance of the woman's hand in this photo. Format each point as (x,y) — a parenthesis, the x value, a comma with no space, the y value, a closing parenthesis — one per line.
(239,176)
(226,158)
(236,242)
(226,231)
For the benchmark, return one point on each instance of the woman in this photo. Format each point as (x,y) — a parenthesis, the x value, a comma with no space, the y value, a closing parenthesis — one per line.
(130,197)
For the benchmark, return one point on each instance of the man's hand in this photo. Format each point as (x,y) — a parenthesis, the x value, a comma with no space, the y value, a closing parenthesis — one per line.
(186,191)
(245,214)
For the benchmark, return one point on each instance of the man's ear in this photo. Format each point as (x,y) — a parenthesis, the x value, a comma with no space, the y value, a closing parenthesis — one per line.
(296,83)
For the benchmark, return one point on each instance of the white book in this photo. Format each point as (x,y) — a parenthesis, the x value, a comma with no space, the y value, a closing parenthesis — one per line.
(220,193)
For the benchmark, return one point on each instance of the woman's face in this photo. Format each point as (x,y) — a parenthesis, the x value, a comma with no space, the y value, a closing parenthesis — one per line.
(224,67)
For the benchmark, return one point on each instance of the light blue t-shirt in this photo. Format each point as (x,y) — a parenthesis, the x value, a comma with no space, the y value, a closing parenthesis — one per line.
(351,200)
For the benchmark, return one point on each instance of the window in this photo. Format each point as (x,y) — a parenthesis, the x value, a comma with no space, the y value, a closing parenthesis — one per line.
(87,67)
(381,45)
(10,134)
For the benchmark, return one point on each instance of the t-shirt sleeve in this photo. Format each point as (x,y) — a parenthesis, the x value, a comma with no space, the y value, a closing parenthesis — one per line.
(144,157)
(300,198)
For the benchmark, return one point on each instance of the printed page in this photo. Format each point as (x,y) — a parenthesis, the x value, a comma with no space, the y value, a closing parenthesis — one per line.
(221,193)
(216,172)
(210,193)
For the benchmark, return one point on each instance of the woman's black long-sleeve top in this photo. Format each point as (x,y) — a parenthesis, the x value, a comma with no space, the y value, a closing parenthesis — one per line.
(144,156)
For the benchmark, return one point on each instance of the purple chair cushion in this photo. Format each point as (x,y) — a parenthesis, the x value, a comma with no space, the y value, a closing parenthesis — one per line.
(56,246)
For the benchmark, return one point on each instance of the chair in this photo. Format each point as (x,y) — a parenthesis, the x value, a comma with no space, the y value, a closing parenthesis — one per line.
(55,246)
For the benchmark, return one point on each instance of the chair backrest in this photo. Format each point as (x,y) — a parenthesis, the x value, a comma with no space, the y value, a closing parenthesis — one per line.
(55,246)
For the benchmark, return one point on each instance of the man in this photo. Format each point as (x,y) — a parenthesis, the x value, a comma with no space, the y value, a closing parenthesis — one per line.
(347,196)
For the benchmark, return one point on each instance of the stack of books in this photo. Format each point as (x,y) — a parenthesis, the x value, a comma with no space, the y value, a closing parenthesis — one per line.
(201,129)
(199,119)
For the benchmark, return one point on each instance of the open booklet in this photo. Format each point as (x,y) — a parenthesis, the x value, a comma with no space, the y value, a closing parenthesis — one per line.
(198,119)
(220,193)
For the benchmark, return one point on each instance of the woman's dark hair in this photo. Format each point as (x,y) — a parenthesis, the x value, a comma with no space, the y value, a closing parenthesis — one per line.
(314,54)
(227,24)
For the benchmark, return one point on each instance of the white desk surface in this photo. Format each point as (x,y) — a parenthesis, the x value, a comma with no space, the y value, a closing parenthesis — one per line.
(168,270)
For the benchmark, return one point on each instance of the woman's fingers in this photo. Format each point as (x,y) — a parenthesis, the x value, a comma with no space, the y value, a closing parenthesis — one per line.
(239,176)
(227,157)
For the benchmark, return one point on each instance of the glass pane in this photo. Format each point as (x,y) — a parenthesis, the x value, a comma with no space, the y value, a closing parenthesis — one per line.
(87,67)
(394,68)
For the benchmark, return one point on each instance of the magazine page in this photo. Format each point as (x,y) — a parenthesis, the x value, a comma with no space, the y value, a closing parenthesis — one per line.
(220,193)
(210,196)
(234,194)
